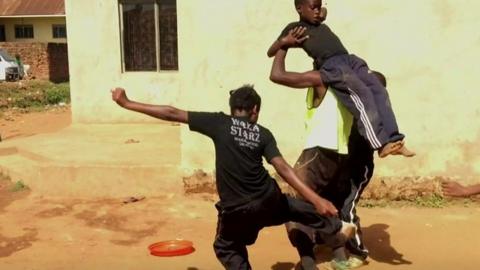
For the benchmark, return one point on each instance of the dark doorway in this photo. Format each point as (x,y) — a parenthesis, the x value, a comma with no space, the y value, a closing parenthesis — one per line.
(2,33)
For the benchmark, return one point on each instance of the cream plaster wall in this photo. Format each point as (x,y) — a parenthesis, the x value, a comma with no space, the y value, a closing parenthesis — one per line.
(427,49)
(95,66)
(42,29)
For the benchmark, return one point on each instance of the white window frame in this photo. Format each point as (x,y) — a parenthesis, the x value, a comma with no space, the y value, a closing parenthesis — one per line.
(23,26)
(56,26)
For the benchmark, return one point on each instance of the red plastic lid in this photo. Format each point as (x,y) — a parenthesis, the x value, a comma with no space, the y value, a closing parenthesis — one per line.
(171,248)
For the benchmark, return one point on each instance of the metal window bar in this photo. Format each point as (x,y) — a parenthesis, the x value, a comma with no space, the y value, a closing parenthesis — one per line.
(157,34)
(122,34)
(157,31)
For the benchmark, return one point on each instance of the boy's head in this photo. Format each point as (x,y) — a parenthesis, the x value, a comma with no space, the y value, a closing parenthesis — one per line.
(309,10)
(245,101)
(380,77)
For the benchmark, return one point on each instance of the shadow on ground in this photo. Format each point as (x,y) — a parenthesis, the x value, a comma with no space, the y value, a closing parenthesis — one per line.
(283,266)
(377,240)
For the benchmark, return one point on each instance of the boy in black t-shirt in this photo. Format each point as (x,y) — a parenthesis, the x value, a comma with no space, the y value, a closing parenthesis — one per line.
(356,86)
(249,198)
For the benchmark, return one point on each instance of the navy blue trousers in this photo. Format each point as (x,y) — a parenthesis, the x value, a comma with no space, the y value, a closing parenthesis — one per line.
(364,96)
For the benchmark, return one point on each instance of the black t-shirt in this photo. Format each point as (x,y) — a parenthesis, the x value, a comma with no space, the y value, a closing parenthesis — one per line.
(322,42)
(239,147)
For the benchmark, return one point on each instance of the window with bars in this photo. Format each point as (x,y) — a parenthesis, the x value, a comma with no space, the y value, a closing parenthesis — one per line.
(149,35)
(23,31)
(59,31)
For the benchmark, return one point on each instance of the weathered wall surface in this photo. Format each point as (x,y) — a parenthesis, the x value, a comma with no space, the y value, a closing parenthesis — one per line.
(427,49)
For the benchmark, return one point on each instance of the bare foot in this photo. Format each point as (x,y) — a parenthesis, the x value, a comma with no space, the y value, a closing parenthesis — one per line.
(403,151)
(390,148)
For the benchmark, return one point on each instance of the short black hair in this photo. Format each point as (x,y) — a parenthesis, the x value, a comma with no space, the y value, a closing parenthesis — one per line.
(244,98)
(380,77)
(299,2)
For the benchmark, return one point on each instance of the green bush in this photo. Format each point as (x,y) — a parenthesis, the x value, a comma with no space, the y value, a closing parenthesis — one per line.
(33,94)
(18,186)
(57,94)
(431,201)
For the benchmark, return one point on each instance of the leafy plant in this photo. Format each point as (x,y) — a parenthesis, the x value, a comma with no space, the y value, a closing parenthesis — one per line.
(57,94)
(432,201)
(18,186)
(32,94)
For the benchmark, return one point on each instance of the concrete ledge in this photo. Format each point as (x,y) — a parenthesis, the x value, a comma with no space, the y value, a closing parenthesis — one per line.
(97,160)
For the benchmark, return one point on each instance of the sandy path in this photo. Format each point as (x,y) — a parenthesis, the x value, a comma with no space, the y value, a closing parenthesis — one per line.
(16,125)
(69,233)
(66,233)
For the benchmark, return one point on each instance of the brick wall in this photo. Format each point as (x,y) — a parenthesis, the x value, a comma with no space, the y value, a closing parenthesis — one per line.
(48,61)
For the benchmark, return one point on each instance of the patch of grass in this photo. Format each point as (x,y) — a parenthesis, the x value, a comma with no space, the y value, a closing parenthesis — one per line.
(464,202)
(18,186)
(428,201)
(32,95)
(373,203)
(58,93)
(431,201)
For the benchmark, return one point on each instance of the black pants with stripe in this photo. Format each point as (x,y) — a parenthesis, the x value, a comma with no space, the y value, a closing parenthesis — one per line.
(324,171)
(340,179)
(364,96)
(239,226)
(360,164)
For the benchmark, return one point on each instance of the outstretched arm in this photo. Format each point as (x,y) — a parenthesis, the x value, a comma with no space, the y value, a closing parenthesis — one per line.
(455,189)
(163,112)
(323,206)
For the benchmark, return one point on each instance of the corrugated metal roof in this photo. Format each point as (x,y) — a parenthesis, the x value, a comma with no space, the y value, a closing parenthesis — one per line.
(31,8)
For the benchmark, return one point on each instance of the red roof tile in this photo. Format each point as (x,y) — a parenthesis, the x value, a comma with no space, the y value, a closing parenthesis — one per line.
(32,7)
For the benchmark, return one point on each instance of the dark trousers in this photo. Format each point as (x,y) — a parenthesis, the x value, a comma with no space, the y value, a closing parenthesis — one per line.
(321,169)
(339,178)
(364,96)
(360,164)
(239,226)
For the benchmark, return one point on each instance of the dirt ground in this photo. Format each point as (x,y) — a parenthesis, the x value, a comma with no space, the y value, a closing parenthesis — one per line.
(79,233)
(15,124)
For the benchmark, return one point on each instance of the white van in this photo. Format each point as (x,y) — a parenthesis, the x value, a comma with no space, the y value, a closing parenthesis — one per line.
(8,67)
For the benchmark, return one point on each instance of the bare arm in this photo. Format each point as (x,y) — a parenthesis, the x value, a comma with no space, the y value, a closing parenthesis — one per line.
(455,189)
(163,112)
(294,38)
(279,75)
(275,47)
(323,206)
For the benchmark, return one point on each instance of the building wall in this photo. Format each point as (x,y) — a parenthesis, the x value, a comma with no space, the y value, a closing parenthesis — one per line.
(42,28)
(47,61)
(427,49)
(95,63)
